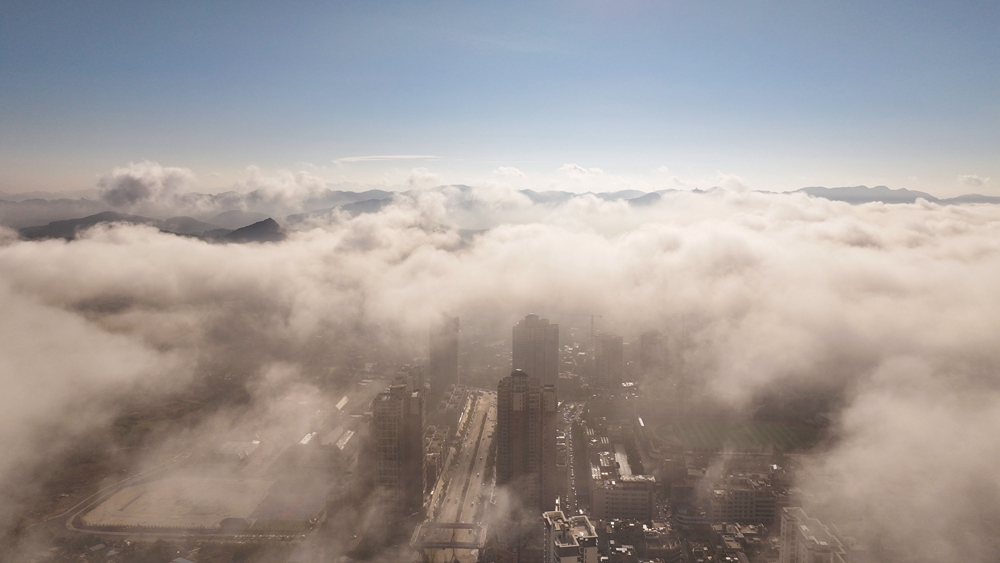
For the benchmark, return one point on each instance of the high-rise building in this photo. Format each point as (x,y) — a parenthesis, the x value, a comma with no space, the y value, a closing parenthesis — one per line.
(397,429)
(536,348)
(443,355)
(526,439)
(412,376)
(609,361)
(652,353)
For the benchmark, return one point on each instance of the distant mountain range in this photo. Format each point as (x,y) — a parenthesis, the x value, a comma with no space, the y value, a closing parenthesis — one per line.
(230,210)
(864,194)
(250,217)
(266,230)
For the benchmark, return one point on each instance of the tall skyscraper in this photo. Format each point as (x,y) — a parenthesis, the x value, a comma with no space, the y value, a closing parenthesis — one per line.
(397,429)
(652,353)
(536,348)
(444,355)
(609,361)
(526,439)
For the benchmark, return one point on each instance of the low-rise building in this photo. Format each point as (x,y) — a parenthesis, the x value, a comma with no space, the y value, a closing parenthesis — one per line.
(568,540)
(807,540)
(622,554)
(748,536)
(437,448)
(662,544)
(745,498)
(651,540)
(627,497)
(615,492)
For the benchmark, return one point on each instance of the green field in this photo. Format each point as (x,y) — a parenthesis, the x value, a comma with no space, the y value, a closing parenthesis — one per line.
(738,436)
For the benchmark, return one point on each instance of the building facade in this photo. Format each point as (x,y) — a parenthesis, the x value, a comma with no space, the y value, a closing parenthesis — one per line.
(745,498)
(535,344)
(652,353)
(807,540)
(397,431)
(443,365)
(526,439)
(630,497)
(609,361)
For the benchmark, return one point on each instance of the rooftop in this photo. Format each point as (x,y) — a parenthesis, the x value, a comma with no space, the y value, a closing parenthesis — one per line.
(569,531)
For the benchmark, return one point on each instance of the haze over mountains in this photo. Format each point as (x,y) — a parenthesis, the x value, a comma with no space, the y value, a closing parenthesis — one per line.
(264,230)
(213,216)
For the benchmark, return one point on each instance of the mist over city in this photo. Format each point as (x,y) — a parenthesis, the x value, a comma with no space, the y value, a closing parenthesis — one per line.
(569,282)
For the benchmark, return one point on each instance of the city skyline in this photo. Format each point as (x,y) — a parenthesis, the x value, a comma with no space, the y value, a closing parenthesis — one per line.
(388,282)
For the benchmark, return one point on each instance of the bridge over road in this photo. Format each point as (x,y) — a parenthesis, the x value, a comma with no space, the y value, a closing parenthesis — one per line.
(462,496)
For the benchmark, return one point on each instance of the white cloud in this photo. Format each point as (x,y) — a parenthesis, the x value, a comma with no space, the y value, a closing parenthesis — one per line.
(422,178)
(144,181)
(973,180)
(665,170)
(379,157)
(578,172)
(508,171)
(730,181)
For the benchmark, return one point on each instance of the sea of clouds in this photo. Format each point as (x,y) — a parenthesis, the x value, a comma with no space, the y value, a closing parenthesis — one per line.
(893,307)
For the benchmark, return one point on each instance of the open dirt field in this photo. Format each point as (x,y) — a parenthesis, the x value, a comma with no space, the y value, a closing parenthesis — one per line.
(180,502)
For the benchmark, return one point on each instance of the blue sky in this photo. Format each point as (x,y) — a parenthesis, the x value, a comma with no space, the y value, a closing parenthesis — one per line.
(648,95)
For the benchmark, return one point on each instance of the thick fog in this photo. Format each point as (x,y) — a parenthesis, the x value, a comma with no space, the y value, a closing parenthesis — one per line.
(894,310)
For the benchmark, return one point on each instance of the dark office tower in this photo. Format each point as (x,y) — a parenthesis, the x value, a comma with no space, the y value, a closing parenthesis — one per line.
(412,376)
(444,355)
(526,439)
(398,432)
(536,348)
(652,353)
(609,362)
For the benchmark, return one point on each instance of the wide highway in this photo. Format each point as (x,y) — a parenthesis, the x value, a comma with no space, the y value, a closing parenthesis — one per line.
(461,495)
(462,501)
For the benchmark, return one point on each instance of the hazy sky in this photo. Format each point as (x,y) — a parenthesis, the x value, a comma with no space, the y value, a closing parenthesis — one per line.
(628,94)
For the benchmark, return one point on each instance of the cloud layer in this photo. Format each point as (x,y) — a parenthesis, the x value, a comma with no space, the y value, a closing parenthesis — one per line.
(973,180)
(893,309)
